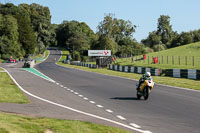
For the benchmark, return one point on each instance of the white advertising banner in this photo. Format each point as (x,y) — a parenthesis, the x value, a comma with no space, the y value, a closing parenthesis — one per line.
(99,52)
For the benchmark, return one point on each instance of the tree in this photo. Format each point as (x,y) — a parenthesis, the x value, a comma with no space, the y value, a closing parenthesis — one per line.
(196,35)
(68,29)
(41,22)
(26,35)
(152,39)
(78,42)
(115,29)
(164,29)
(105,42)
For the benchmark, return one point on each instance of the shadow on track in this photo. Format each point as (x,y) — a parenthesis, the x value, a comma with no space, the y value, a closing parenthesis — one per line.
(124,98)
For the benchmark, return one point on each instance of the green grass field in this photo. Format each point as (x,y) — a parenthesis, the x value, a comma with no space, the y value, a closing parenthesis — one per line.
(11,123)
(9,92)
(183,57)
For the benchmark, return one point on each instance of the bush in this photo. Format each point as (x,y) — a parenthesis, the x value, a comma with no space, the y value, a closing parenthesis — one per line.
(159,47)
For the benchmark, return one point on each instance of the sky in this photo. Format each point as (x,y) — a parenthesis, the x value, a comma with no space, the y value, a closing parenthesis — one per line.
(184,14)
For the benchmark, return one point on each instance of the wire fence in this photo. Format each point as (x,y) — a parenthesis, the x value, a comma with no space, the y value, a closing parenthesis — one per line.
(193,61)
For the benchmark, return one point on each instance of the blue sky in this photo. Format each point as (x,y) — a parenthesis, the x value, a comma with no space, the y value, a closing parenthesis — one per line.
(184,14)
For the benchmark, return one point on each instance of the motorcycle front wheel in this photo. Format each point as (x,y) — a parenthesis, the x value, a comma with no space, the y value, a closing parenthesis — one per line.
(146,93)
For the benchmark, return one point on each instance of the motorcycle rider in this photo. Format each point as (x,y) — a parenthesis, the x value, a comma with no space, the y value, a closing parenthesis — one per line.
(146,76)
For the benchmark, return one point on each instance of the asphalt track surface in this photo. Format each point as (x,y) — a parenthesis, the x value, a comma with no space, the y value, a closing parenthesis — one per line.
(168,109)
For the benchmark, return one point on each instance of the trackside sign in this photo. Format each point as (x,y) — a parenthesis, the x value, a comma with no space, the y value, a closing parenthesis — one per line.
(99,52)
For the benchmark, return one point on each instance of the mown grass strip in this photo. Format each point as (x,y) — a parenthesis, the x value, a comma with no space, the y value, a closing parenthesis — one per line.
(178,82)
(41,58)
(179,57)
(11,123)
(9,92)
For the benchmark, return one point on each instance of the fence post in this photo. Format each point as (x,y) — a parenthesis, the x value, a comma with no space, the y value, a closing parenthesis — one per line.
(186,60)
(193,60)
(167,59)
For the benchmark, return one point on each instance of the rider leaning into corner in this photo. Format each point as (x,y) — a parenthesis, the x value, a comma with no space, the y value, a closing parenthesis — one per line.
(146,76)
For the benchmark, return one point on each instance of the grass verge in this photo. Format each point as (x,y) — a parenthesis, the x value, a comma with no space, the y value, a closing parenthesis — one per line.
(1,60)
(11,123)
(178,82)
(182,57)
(42,57)
(9,92)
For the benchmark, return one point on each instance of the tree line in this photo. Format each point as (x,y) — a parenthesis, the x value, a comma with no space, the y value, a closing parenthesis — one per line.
(24,30)
(164,37)
(27,29)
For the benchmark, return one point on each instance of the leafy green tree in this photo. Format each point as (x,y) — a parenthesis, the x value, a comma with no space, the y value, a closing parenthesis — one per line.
(26,35)
(185,38)
(75,36)
(196,35)
(41,21)
(152,39)
(105,42)
(114,28)
(9,36)
(164,29)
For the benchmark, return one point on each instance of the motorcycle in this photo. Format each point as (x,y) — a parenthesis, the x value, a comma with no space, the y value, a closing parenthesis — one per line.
(144,89)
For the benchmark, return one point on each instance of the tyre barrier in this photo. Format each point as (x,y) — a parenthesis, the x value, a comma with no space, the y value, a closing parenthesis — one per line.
(132,69)
(183,73)
(78,63)
(177,73)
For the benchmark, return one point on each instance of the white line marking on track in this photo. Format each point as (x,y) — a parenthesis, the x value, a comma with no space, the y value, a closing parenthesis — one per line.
(100,106)
(71,90)
(61,86)
(121,117)
(75,110)
(135,125)
(76,93)
(68,89)
(133,79)
(147,132)
(65,87)
(57,83)
(92,102)
(108,110)
(80,95)
(85,98)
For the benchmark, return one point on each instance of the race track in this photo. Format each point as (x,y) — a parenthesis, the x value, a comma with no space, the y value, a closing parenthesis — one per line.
(168,109)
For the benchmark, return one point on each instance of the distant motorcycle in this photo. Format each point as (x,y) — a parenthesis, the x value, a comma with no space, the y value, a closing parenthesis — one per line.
(144,89)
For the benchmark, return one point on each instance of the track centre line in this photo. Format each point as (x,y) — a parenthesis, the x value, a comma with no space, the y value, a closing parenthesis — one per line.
(75,110)
(180,88)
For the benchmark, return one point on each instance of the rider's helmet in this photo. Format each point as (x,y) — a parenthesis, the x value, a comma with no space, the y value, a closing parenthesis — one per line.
(147,74)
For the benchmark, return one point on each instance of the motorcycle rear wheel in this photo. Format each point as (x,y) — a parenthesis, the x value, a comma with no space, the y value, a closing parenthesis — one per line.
(138,95)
